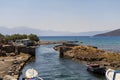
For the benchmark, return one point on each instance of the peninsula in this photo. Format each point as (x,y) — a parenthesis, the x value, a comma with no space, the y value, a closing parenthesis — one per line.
(111,33)
(89,54)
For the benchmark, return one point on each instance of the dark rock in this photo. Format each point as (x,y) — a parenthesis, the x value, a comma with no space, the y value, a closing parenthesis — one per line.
(8,48)
(69,44)
(1,78)
(93,46)
(10,72)
(16,62)
(61,52)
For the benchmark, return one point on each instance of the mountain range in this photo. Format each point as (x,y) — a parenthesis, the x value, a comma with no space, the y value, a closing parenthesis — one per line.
(110,33)
(27,30)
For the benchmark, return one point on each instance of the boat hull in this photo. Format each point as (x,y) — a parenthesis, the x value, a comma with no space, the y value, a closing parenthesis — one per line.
(99,70)
(112,74)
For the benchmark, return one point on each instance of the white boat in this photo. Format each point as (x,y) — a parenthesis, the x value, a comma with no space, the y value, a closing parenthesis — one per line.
(32,74)
(112,74)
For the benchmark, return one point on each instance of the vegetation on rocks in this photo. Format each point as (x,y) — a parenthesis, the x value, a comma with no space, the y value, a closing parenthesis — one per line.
(91,55)
(6,38)
(1,38)
(33,37)
(12,57)
(15,37)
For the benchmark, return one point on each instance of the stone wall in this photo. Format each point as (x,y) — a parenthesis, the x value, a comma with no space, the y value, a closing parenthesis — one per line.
(6,50)
(29,50)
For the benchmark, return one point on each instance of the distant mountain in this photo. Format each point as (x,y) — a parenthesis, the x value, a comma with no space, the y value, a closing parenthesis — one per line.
(90,33)
(110,33)
(26,30)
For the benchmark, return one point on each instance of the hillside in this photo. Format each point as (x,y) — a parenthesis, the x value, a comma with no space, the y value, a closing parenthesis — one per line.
(28,30)
(111,33)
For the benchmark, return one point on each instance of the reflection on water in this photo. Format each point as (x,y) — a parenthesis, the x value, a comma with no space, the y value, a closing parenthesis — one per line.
(51,67)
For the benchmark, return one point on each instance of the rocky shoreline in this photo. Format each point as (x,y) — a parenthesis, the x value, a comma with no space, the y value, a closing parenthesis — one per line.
(13,59)
(89,54)
(54,42)
(12,66)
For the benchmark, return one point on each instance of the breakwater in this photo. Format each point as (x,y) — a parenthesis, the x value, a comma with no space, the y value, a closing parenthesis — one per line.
(90,54)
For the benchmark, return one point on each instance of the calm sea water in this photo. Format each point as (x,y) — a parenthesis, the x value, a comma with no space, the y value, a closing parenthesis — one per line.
(51,67)
(107,43)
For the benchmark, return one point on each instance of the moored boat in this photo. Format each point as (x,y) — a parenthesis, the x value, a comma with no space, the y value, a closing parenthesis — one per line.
(112,74)
(96,68)
(32,74)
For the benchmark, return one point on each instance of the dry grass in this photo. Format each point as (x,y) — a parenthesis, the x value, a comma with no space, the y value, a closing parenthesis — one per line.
(93,55)
(111,57)
(90,53)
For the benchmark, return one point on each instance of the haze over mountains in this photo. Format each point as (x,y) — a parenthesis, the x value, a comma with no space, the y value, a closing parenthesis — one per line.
(26,30)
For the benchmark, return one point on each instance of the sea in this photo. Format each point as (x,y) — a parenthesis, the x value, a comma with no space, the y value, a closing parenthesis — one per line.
(106,43)
(51,67)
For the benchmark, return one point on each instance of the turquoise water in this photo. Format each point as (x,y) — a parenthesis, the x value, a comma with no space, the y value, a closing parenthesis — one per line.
(51,67)
(107,43)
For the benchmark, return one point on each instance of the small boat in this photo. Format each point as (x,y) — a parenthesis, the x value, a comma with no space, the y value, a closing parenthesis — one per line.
(95,68)
(112,74)
(31,74)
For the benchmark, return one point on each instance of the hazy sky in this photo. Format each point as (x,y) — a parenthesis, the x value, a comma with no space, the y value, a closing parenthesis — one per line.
(61,15)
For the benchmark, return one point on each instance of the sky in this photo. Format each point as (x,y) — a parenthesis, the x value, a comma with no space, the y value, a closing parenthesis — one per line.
(61,15)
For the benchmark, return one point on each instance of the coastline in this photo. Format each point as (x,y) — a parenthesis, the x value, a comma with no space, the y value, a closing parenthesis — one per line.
(71,51)
(56,42)
(13,58)
(89,55)
(50,42)
(12,65)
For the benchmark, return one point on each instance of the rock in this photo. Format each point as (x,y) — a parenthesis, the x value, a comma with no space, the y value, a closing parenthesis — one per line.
(69,44)
(1,78)
(3,53)
(89,54)
(10,72)
(16,62)
(61,52)
(8,48)
(8,77)
(10,54)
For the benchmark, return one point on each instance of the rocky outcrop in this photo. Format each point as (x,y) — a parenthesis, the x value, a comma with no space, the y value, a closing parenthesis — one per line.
(8,77)
(12,59)
(12,66)
(79,51)
(90,54)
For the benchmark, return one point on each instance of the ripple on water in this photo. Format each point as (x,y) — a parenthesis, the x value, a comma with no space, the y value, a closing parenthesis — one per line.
(51,67)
